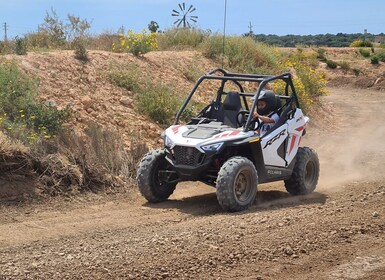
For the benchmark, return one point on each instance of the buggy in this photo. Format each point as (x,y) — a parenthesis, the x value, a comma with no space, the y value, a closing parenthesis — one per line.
(222,147)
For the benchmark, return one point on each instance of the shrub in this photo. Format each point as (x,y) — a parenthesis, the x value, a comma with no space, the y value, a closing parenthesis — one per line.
(331,64)
(125,76)
(374,60)
(137,43)
(321,54)
(80,51)
(356,71)
(344,65)
(39,40)
(20,46)
(365,53)
(177,38)
(309,83)
(22,114)
(158,102)
(361,44)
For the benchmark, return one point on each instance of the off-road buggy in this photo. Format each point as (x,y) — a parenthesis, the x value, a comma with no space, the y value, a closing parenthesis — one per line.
(221,146)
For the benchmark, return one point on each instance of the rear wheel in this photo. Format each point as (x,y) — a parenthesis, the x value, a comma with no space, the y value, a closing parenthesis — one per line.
(151,179)
(305,174)
(237,184)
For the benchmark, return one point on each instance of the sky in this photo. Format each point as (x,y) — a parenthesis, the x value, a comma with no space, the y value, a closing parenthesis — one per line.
(279,17)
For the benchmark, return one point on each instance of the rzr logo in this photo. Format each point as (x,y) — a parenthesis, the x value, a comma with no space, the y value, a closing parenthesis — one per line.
(276,137)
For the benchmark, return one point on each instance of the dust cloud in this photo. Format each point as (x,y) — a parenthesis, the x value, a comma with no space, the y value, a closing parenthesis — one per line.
(355,149)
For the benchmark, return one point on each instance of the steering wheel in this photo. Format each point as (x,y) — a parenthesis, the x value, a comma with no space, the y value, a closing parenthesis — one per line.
(242,118)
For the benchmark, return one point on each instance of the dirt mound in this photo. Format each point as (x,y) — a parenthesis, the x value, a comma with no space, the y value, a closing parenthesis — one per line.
(356,71)
(87,89)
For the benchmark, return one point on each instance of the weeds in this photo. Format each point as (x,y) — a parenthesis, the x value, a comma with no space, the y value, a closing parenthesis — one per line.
(125,76)
(181,38)
(22,114)
(159,102)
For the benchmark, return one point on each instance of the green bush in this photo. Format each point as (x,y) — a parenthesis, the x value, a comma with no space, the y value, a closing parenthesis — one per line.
(331,64)
(321,54)
(20,46)
(21,112)
(365,53)
(80,50)
(159,103)
(344,65)
(374,60)
(125,76)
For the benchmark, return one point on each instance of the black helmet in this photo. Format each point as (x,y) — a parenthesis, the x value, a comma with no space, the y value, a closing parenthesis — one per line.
(269,97)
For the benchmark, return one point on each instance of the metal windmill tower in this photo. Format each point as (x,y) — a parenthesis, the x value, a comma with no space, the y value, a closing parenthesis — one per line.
(184,16)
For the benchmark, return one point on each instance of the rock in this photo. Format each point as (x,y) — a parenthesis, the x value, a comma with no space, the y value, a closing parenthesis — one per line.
(125,101)
(86,101)
(375,214)
(288,251)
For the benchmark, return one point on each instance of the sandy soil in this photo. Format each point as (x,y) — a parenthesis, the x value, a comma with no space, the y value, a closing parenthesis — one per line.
(338,232)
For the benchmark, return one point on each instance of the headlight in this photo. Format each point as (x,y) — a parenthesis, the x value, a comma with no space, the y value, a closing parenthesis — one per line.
(212,147)
(168,142)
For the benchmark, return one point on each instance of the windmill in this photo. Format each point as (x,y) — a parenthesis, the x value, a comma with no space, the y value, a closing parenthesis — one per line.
(184,16)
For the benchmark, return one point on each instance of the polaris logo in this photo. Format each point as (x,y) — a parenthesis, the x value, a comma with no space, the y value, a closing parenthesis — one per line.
(274,172)
(276,137)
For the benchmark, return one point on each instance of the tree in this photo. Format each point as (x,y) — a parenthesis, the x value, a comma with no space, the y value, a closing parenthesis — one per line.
(153,26)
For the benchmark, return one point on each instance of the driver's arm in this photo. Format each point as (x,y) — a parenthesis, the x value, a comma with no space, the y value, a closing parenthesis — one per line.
(264,119)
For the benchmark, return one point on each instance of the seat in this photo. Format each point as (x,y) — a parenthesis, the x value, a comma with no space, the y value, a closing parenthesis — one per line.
(231,106)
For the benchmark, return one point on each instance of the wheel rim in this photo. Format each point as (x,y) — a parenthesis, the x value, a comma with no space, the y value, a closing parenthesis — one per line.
(158,180)
(310,174)
(243,186)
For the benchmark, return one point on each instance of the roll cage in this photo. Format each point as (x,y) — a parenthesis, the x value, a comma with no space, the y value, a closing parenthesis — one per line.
(224,76)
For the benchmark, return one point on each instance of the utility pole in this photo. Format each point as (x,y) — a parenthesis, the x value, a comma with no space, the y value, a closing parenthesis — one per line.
(5,32)
(251,29)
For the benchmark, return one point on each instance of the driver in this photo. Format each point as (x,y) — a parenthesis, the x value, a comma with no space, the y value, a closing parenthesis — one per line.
(264,111)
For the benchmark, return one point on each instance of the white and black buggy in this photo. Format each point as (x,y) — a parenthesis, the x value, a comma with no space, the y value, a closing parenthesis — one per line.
(222,147)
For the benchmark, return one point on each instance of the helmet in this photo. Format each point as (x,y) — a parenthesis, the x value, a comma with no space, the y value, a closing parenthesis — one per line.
(269,97)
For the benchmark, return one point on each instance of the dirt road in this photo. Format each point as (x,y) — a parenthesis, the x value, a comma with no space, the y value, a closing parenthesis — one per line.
(338,232)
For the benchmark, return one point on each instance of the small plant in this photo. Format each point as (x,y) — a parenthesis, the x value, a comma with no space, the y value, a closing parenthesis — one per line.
(125,76)
(356,71)
(137,43)
(365,53)
(374,60)
(331,64)
(344,65)
(321,54)
(20,46)
(80,51)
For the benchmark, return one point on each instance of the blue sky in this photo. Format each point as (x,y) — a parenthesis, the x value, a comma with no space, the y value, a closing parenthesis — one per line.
(278,17)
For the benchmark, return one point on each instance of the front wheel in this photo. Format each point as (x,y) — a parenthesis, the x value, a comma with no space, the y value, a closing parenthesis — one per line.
(237,184)
(305,174)
(152,184)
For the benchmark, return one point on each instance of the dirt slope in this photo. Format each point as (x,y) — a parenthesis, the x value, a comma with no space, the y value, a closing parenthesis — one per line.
(63,81)
(338,232)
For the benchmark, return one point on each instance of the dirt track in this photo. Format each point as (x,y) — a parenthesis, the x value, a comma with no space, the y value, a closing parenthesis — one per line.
(338,232)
